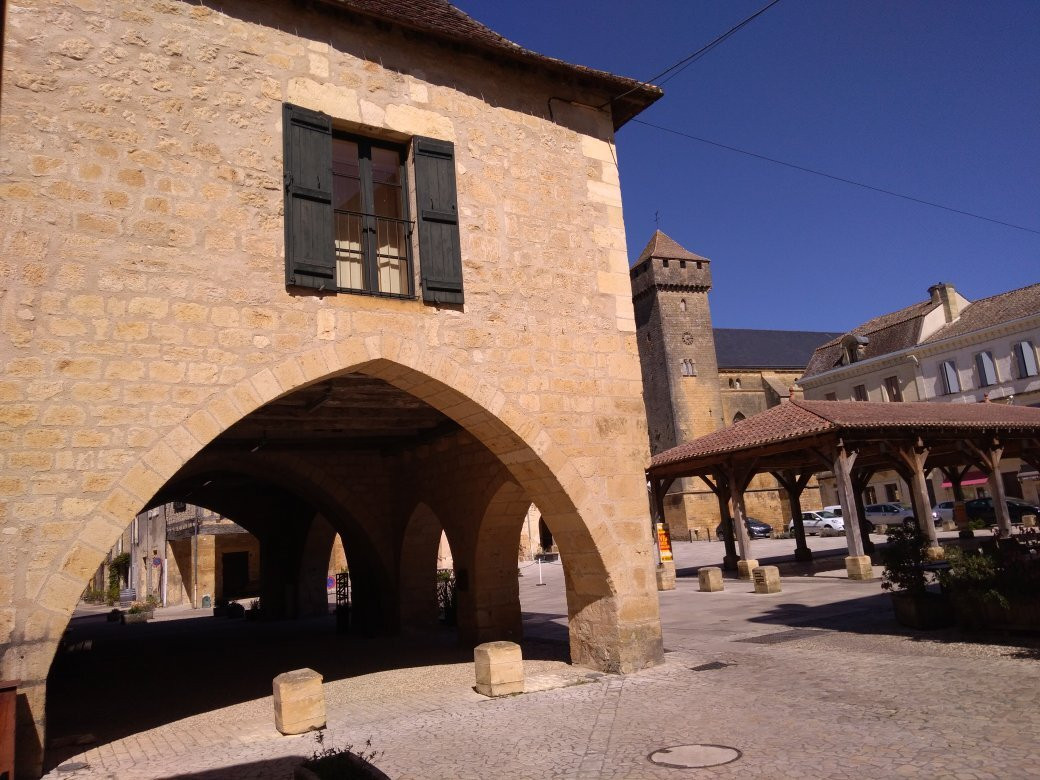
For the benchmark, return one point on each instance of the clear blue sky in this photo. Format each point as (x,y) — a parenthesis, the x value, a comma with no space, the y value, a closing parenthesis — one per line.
(937,100)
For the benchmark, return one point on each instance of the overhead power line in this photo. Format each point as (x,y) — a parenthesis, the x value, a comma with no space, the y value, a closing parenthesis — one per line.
(688,60)
(832,177)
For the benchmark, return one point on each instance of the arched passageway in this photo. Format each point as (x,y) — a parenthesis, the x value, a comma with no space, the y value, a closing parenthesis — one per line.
(385,456)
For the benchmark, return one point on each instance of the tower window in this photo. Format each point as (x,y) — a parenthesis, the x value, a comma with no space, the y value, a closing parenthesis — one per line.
(688,368)
(682,304)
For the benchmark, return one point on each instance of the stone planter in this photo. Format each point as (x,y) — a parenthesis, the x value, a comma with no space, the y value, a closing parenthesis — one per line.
(346,765)
(137,617)
(923,611)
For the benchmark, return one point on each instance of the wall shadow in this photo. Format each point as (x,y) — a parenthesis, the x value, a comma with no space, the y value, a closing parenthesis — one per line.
(110,680)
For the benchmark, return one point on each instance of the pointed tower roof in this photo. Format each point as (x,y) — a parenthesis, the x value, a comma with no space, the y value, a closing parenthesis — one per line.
(661,245)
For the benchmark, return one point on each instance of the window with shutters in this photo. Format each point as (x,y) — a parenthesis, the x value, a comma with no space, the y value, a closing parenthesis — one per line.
(1025,359)
(347,226)
(987,371)
(859,392)
(951,383)
(892,390)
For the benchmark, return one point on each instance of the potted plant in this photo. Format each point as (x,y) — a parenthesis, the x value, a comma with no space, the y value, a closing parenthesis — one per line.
(996,586)
(908,580)
(139,612)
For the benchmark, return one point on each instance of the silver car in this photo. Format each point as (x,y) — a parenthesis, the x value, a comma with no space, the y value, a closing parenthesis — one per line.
(889,514)
(822,522)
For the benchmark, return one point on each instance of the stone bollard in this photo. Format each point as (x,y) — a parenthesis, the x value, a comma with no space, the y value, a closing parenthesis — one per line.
(744,568)
(666,576)
(859,567)
(934,553)
(1029,521)
(766,578)
(299,702)
(499,667)
(949,525)
(710,579)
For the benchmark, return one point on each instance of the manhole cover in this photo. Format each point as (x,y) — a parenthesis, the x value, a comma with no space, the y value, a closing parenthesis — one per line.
(694,756)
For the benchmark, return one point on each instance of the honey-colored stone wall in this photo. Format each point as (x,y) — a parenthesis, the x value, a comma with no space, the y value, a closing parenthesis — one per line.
(144,309)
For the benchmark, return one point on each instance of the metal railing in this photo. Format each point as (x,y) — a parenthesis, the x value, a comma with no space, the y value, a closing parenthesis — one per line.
(386,240)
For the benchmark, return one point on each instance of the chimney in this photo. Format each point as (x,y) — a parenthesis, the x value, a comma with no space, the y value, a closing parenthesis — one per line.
(944,293)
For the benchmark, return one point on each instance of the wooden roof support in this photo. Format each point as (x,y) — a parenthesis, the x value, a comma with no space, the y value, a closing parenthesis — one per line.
(988,456)
(842,468)
(911,459)
(794,483)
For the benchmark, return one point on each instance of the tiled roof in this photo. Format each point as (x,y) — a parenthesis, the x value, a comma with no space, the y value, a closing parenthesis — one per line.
(661,245)
(798,419)
(778,349)
(985,312)
(888,333)
(442,19)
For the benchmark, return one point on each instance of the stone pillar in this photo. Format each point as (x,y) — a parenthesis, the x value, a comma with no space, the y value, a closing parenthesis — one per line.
(710,579)
(499,668)
(766,579)
(666,575)
(299,702)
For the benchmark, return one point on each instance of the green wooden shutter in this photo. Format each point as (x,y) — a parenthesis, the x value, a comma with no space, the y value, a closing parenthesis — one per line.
(310,253)
(440,257)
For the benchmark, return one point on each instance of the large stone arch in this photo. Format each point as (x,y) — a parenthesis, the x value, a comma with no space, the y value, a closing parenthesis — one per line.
(613,622)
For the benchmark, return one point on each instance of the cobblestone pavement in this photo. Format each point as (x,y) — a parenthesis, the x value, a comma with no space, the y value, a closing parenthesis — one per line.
(814,682)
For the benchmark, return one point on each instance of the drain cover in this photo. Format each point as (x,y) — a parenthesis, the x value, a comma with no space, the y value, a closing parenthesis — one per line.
(694,756)
(711,666)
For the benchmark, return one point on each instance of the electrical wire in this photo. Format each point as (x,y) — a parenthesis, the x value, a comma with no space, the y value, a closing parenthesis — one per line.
(832,177)
(685,62)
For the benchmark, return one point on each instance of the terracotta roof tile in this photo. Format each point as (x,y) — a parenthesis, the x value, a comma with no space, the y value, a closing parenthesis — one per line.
(887,333)
(983,313)
(661,245)
(442,19)
(797,419)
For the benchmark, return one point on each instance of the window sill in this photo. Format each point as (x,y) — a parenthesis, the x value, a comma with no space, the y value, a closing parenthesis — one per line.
(376,294)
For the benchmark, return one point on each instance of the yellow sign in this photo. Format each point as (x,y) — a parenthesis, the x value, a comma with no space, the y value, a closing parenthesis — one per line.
(664,543)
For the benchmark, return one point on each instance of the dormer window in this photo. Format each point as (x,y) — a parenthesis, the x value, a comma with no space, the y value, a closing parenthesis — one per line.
(852,348)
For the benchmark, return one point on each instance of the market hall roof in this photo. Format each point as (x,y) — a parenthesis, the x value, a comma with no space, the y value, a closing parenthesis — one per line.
(441,19)
(789,429)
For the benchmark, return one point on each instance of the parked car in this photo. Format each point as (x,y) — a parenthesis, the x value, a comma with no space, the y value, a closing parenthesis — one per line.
(756,529)
(822,522)
(942,512)
(889,514)
(983,509)
(834,508)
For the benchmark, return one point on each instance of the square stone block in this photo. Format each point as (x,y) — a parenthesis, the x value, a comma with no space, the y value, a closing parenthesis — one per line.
(710,579)
(666,576)
(859,567)
(766,579)
(744,568)
(1029,521)
(934,553)
(499,668)
(299,702)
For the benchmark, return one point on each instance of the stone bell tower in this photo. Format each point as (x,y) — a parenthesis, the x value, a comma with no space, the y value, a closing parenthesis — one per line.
(670,288)
(681,390)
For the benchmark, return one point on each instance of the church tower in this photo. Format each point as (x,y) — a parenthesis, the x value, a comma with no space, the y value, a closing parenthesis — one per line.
(681,391)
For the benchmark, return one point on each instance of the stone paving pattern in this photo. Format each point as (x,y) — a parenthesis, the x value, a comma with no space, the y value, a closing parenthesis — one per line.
(828,687)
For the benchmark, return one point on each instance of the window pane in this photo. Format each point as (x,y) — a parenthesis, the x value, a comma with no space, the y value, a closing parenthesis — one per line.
(349,252)
(387,200)
(386,166)
(392,256)
(345,157)
(346,193)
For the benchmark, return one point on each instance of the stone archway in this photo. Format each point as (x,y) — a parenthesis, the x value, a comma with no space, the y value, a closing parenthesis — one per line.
(612,599)
(418,569)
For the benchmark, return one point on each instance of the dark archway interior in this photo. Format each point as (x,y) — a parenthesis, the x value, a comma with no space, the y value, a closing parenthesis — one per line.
(353,453)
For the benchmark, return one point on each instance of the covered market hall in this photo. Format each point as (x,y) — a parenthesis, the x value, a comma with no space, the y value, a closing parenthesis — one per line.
(852,440)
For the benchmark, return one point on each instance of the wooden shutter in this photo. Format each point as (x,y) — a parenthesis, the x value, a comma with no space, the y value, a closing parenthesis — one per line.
(310,254)
(440,256)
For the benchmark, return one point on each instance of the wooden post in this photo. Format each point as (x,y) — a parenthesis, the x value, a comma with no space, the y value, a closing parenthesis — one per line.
(794,484)
(860,480)
(720,487)
(989,456)
(738,477)
(842,468)
(911,460)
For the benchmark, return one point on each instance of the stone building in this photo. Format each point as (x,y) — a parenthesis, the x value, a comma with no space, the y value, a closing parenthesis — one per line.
(697,379)
(348,267)
(944,348)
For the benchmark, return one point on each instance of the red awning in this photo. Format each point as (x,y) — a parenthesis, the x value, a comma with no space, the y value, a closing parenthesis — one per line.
(971,478)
